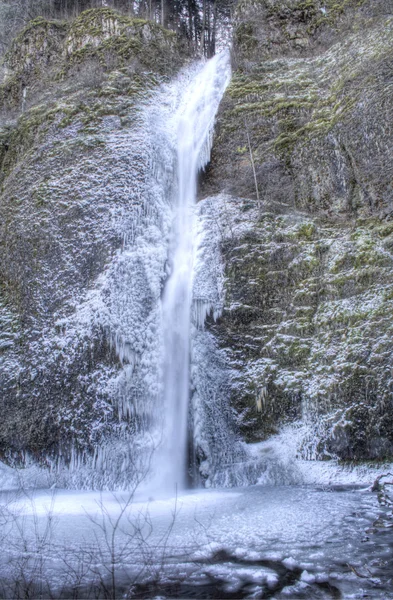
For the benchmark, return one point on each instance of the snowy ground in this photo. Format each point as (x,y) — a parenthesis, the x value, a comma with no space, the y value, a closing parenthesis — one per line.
(256,542)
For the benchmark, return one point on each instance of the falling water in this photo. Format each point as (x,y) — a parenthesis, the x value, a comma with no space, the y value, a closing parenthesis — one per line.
(194,136)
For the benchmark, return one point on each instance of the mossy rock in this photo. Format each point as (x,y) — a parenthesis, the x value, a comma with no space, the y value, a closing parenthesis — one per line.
(36,47)
(104,32)
(49,53)
(307,316)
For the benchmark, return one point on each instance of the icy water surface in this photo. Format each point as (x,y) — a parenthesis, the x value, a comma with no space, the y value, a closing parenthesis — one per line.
(257,542)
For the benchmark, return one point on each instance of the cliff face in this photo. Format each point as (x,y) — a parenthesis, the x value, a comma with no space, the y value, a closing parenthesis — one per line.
(299,217)
(74,187)
(304,148)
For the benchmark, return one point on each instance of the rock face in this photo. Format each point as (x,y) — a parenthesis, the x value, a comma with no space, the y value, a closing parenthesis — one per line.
(75,186)
(304,147)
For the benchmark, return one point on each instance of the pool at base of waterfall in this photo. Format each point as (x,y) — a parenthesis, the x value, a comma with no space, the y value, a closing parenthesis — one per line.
(256,542)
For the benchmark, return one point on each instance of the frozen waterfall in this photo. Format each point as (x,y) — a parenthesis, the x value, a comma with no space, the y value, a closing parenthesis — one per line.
(195,121)
(150,295)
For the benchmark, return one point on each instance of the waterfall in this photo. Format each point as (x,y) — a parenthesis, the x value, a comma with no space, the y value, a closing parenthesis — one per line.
(195,122)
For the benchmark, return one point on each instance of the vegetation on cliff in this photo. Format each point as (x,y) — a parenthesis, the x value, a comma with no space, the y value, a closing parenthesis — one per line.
(201,23)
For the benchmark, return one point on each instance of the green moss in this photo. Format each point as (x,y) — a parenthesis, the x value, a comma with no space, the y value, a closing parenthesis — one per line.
(309,5)
(364,252)
(306,231)
(10,91)
(242,150)
(90,21)
(385,229)
(103,34)
(285,143)
(23,137)
(93,22)
(26,135)
(50,49)
(298,113)
(39,22)
(39,35)
(297,351)
(38,26)
(333,11)
(388,294)
(304,11)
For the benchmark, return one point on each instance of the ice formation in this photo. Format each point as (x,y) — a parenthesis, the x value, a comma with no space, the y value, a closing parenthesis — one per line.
(147,300)
(163,394)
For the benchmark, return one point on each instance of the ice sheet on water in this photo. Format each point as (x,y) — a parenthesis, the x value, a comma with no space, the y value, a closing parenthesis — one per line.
(249,536)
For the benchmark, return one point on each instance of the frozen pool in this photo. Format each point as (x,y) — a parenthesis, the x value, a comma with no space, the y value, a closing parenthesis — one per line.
(256,542)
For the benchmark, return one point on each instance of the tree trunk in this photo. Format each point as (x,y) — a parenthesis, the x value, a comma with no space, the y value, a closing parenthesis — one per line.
(213,37)
(190,19)
(208,30)
(203,36)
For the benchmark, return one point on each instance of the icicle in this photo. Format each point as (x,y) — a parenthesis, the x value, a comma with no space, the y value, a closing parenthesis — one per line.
(261,399)
(201,309)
